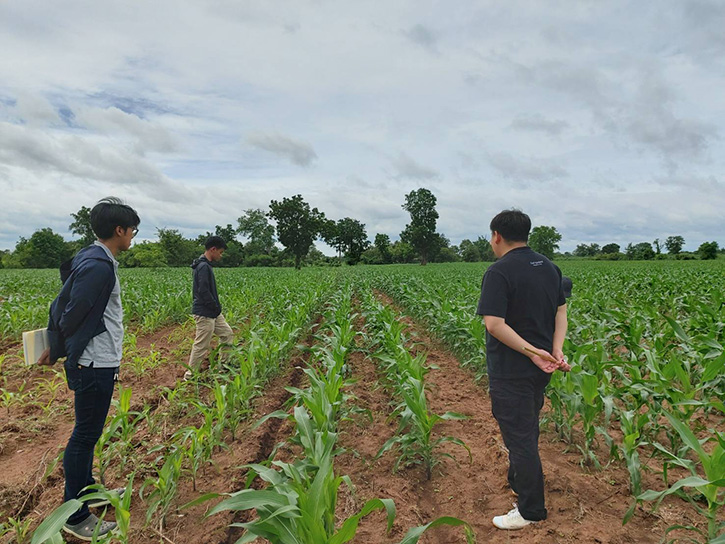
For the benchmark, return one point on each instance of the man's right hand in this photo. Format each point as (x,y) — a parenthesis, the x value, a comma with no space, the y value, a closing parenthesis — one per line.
(44,359)
(546,364)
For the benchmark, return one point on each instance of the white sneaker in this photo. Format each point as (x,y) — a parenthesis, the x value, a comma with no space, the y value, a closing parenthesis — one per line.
(512,521)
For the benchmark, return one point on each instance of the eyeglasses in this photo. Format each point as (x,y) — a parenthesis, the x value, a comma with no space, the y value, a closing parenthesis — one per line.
(135,232)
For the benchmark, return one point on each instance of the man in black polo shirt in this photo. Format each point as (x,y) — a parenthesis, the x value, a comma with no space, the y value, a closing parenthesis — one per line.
(523,306)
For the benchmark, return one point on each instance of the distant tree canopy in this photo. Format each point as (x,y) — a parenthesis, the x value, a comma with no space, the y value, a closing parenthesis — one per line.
(177,250)
(255,226)
(382,244)
(298,225)
(44,249)
(608,249)
(708,250)
(590,250)
(81,226)
(420,233)
(348,236)
(544,240)
(674,244)
(640,252)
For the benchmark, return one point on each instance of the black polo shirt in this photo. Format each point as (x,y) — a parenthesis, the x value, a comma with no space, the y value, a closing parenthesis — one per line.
(524,288)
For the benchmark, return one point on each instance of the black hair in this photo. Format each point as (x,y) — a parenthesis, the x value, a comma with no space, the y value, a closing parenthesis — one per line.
(215,241)
(513,225)
(109,213)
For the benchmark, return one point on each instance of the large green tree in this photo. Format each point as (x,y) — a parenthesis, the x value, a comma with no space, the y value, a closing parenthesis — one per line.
(587,250)
(640,252)
(255,226)
(420,233)
(485,249)
(44,249)
(298,225)
(610,248)
(708,250)
(349,237)
(81,226)
(469,251)
(674,244)
(178,251)
(234,254)
(382,243)
(544,240)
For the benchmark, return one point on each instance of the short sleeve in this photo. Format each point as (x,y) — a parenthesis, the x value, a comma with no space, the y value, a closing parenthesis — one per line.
(561,295)
(494,295)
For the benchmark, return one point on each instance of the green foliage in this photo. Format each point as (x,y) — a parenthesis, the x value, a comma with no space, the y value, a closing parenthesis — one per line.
(143,255)
(640,252)
(708,250)
(544,240)
(81,226)
(420,233)
(382,244)
(608,249)
(254,225)
(674,244)
(179,251)
(298,225)
(348,236)
(402,252)
(44,249)
(590,250)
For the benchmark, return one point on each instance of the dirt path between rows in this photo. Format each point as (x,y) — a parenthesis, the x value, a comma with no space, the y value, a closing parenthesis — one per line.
(582,507)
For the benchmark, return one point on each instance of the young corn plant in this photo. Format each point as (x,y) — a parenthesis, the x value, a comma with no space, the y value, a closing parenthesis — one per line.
(116,439)
(298,505)
(696,489)
(197,448)
(163,489)
(415,431)
(50,529)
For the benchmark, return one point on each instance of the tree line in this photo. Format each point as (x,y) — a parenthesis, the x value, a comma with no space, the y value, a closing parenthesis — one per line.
(645,251)
(298,226)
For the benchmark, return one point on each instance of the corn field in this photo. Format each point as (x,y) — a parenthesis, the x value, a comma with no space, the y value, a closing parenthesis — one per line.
(646,393)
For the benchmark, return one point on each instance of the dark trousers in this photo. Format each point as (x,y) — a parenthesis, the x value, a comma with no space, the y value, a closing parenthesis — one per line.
(516,404)
(93,389)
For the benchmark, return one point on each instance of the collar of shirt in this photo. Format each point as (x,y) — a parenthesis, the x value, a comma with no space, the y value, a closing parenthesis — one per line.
(108,252)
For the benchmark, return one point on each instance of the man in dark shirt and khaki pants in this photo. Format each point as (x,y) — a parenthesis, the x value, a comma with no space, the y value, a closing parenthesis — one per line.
(523,306)
(206,309)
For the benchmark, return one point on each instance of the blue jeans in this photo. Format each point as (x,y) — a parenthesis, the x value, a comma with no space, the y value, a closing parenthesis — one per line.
(93,389)
(516,404)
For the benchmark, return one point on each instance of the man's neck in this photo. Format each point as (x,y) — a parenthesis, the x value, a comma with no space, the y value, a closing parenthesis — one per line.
(111,245)
(511,246)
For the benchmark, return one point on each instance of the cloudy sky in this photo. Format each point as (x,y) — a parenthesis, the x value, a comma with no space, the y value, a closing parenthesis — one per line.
(603,119)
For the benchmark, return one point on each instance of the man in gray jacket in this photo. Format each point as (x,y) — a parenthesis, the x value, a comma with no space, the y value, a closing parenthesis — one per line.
(206,309)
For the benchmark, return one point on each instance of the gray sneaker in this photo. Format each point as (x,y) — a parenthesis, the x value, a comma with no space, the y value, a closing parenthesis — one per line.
(85,529)
(97,503)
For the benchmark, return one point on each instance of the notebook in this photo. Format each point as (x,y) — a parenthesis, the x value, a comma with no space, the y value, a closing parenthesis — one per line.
(34,343)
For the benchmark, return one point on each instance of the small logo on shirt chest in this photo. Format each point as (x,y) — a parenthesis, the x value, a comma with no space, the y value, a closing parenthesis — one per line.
(536,263)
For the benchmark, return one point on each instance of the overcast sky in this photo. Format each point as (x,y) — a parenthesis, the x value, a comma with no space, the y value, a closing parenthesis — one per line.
(603,119)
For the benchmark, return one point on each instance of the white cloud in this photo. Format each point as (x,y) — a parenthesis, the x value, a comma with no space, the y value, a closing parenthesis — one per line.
(490,105)
(296,152)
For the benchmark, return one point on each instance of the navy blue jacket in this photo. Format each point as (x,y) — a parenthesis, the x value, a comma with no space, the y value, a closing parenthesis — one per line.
(76,314)
(206,299)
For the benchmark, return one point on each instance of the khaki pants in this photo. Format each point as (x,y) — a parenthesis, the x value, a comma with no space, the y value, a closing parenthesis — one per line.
(206,327)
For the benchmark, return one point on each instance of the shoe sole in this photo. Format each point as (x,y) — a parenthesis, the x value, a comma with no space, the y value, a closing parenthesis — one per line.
(529,524)
(84,538)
